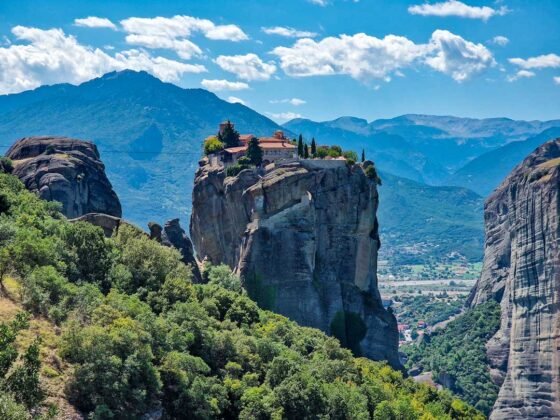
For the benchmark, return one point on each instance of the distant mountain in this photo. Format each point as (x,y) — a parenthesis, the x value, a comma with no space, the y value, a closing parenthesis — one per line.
(487,171)
(423,148)
(148,132)
(419,221)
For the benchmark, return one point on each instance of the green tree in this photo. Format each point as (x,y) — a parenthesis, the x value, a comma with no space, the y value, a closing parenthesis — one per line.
(254,151)
(363,155)
(300,146)
(306,151)
(313,147)
(229,136)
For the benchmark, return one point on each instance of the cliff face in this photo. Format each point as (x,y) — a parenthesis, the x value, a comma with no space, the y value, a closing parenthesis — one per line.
(522,271)
(304,239)
(66,170)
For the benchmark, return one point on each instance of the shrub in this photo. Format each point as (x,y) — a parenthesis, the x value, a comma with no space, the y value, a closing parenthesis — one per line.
(234,170)
(371,173)
(212,145)
(6,164)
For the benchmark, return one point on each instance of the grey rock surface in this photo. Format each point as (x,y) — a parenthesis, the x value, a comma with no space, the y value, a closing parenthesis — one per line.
(66,170)
(522,271)
(173,235)
(304,238)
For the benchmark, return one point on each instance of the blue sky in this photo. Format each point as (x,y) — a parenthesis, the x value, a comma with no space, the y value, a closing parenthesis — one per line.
(318,59)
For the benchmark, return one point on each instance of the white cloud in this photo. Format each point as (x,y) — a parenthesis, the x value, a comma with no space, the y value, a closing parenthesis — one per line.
(246,67)
(520,75)
(235,100)
(500,40)
(556,80)
(173,33)
(50,56)
(319,2)
(361,56)
(288,32)
(456,8)
(457,57)
(364,57)
(95,22)
(219,85)
(540,62)
(291,101)
(283,116)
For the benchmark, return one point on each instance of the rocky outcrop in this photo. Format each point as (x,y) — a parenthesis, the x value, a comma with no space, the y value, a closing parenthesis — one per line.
(66,170)
(109,224)
(173,235)
(522,271)
(304,238)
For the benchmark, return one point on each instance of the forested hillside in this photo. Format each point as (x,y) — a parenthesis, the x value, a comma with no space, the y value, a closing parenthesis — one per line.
(121,331)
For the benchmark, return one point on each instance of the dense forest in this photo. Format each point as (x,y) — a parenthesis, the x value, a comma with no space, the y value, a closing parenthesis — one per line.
(115,327)
(457,355)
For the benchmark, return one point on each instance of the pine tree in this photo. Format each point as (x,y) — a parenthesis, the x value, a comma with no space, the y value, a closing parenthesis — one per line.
(313,147)
(229,136)
(254,151)
(306,151)
(300,146)
(363,155)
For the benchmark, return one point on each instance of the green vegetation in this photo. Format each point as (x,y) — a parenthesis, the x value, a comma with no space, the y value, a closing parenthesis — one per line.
(254,152)
(213,145)
(458,353)
(136,336)
(420,223)
(234,170)
(229,136)
(371,173)
(431,308)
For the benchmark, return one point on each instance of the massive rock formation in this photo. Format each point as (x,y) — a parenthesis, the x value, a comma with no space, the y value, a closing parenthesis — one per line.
(65,170)
(522,271)
(304,238)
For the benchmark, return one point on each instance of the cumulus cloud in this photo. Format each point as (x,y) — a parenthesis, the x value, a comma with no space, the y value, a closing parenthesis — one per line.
(283,116)
(520,75)
(235,100)
(173,33)
(291,101)
(458,9)
(457,57)
(556,80)
(364,57)
(288,32)
(50,56)
(219,85)
(500,40)
(95,22)
(246,67)
(540,62)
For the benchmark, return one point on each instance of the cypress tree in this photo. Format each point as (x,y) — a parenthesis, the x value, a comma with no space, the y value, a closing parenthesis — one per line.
(229,136)
(313,147)
(363,155)
(306,151)
(300,146)
(254,151)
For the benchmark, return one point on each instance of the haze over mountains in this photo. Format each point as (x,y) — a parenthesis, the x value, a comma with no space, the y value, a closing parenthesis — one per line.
(149,134)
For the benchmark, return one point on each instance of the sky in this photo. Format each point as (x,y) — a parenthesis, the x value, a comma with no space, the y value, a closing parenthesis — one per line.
(317,59)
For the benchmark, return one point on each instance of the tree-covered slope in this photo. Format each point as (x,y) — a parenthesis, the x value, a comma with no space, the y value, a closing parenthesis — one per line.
(456,355)
(419,221)
(134,336)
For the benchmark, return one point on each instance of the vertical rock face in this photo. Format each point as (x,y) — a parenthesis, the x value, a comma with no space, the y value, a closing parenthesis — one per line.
(304,239)
(522,271)
(66,170)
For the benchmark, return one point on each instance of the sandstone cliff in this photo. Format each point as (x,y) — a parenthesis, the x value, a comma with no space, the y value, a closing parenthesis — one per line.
(66,170)
(522,271)
(304,238)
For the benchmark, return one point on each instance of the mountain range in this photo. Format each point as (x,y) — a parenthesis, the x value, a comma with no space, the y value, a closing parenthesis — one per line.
(149,134)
